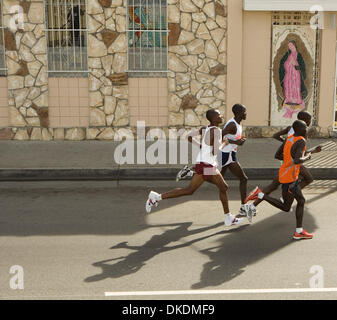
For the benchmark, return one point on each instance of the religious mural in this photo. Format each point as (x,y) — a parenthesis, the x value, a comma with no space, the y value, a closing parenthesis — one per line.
(293,67)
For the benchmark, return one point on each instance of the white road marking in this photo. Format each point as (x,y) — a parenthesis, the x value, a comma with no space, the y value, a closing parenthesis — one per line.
(230,291)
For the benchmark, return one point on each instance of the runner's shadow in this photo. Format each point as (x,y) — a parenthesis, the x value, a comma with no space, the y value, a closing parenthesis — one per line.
(156,245)
(235,253)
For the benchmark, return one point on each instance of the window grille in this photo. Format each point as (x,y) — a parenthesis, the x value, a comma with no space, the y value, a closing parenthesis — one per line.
(291,17)
(147,36)
(67,37)
(2,45)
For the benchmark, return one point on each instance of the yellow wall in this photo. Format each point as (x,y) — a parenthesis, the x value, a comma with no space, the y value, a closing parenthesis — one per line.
(234,55)
(256,66)
(327,74)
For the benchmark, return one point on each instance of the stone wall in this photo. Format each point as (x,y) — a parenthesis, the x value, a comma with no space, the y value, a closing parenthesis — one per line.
(108,82)
(27,71)
(197,60)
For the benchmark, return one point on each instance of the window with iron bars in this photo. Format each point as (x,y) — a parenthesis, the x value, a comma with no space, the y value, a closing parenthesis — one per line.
(147,37)
(2,45)
(291,17)
(67,37)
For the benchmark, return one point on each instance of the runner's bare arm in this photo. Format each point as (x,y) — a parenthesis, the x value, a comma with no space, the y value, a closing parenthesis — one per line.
(316,149)
(297,152)
(279,152)
(215,138)
(231,129)
(194,133)
(278,135)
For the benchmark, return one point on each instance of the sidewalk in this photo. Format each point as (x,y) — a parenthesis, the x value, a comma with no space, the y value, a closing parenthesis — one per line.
(94,160)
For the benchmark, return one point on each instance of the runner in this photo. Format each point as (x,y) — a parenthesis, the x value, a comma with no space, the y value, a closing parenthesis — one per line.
(305,175)
(205,169)
(233,132)
(294,155)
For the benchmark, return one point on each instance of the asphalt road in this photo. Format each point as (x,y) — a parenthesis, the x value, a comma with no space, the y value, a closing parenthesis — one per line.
(79,240)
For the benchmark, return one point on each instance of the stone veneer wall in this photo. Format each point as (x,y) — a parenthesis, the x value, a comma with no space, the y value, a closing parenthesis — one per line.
(108,82)
(197,60)
(27,72)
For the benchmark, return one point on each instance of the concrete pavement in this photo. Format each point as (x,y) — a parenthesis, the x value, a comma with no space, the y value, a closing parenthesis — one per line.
(78,240)
(96,160)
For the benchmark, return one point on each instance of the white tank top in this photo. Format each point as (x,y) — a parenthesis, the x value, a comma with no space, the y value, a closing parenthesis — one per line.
(291,132)
(233,147)
(206,151)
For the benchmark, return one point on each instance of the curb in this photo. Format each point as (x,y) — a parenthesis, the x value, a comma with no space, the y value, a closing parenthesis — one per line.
(72,174)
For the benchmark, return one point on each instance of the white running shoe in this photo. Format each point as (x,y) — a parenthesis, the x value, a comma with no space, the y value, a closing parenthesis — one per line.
(184,172)
(243,211)
(230,220)
(253,209)
(152,200)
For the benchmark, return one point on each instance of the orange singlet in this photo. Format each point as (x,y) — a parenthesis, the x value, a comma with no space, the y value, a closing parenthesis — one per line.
(289,171)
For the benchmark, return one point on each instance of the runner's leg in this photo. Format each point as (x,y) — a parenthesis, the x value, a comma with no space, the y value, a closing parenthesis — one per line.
(307,177)
(237,171)
(219,181)
(196,182)
(284,206)
(268,189)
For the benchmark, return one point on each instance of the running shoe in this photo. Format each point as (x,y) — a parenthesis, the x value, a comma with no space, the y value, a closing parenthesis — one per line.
(152,200)
(242,211)
(253,195)
(252,208)
(230,220)
(184,173)
(249,214)
(303,235)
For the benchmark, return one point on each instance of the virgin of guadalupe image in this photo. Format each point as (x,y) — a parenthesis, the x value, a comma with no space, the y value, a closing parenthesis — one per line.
(292,73)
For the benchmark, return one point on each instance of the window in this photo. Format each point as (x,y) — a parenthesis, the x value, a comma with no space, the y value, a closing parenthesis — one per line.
(291,17)
(2,45)
(66,37)
(147,37)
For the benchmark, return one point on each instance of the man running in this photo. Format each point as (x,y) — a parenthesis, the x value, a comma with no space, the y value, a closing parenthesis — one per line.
(306,177)
(228,158)
(205,169)
(294,155)
(233,132)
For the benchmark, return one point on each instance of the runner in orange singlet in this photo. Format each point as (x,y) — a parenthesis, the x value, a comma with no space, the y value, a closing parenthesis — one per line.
(294,154)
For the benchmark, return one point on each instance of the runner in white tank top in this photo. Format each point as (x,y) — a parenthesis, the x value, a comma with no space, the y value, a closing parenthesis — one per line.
(234,137)
(206,152)
(205,169)
(228,158)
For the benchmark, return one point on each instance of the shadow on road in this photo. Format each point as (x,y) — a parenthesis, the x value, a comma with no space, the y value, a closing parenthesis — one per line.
(238,248)
(156,245)
(235,253)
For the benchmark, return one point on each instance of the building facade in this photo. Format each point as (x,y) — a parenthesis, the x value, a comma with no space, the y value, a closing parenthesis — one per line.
(84,69)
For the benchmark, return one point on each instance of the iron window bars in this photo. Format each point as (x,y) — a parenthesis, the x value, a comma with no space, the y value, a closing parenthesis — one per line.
(147,36)
(67,37)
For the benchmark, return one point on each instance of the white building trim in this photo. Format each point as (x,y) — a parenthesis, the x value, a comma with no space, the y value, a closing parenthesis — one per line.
(288,5)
